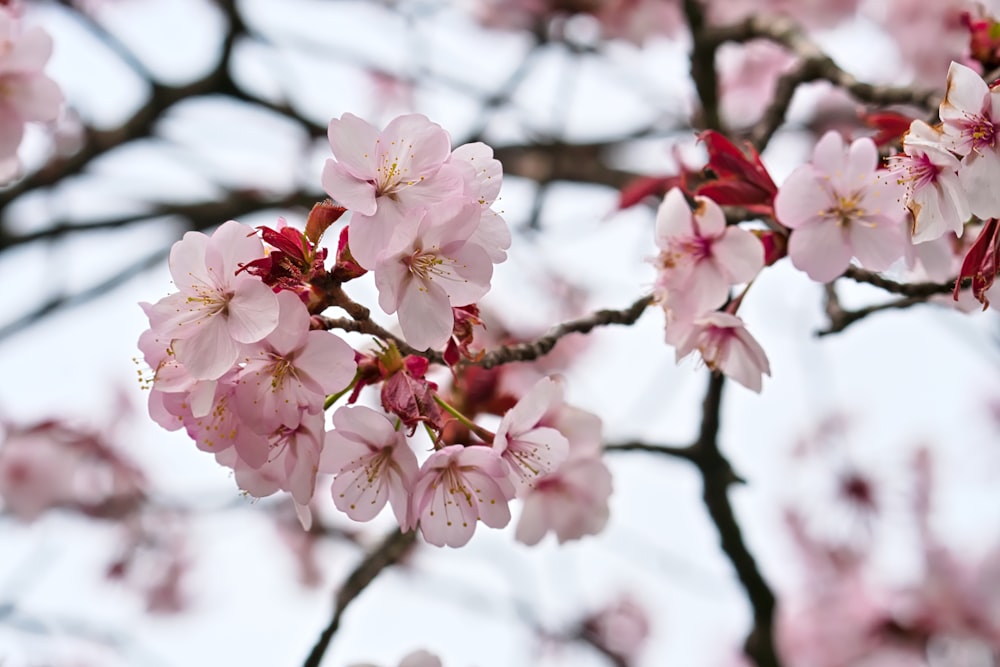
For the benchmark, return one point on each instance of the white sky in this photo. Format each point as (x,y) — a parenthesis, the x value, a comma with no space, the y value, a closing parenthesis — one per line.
(919,376)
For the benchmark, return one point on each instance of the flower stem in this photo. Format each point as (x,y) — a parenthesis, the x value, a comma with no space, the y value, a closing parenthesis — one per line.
(333,398)
(484,434)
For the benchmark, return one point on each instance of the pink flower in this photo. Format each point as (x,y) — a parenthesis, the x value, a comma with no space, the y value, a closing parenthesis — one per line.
(727,347)
(291,465)
(217,310)
(430,267)
(292,370)
(700,258)
(933,192)
(748,75)
(372,463)
(26,94)
(483,176)
(530,449)
(571,500)
(841,206)
(927,34)
(969,113)
(37,473)
(383,175)
(622,628)
(457,487)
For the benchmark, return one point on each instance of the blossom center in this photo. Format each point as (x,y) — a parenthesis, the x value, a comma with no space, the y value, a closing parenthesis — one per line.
(982,132)
(280,370)
(916,171)
(425,265)
(391,176)
(846,210)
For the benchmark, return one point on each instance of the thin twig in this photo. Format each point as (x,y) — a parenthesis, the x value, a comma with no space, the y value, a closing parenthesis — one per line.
(675,451)
(814,65)
(393,548)
(903,289)
(841,319)
(542,346)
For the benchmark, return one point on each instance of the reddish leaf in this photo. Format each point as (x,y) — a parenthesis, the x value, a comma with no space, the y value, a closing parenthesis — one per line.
(412,400)
(981,263)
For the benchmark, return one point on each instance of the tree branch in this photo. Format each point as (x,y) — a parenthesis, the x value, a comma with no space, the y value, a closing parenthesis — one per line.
(687,453)
(840,319)
(718,475)
(393,547)
(542,346)
(814,65)
(703,71)
(904,289)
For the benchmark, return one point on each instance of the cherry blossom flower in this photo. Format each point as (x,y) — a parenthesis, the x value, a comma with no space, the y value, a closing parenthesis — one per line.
(457,487)
(26,94)
(841,206)
(217,310)
(934,195)
(969,113)
(928,35)
(748,75)
(728,348)
(572,500)
(382,175)
(222,426)
(292,370)
(483,176)
(530,449)
(431,267)
(292,462)
(621,628)
(371,462)
(700,258)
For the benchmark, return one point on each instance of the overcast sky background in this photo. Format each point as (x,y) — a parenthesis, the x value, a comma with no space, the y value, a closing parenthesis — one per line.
(922,376)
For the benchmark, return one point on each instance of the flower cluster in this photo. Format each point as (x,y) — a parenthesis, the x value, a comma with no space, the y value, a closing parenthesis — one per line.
(458,485)
(243,359)
(949,171)
(26,93)
(700,260)
(421,218)
(237,365)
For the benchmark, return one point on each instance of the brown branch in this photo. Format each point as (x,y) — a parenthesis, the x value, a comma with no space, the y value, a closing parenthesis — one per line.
(840,319)
(201,215)
(814,65)
(141,124)
(903,289)
(703,71)
(718,475)
(361,322)
(390,551)
(687,453)
(542,346)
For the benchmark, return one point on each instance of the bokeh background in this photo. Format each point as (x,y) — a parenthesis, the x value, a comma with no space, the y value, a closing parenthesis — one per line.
(181,114)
